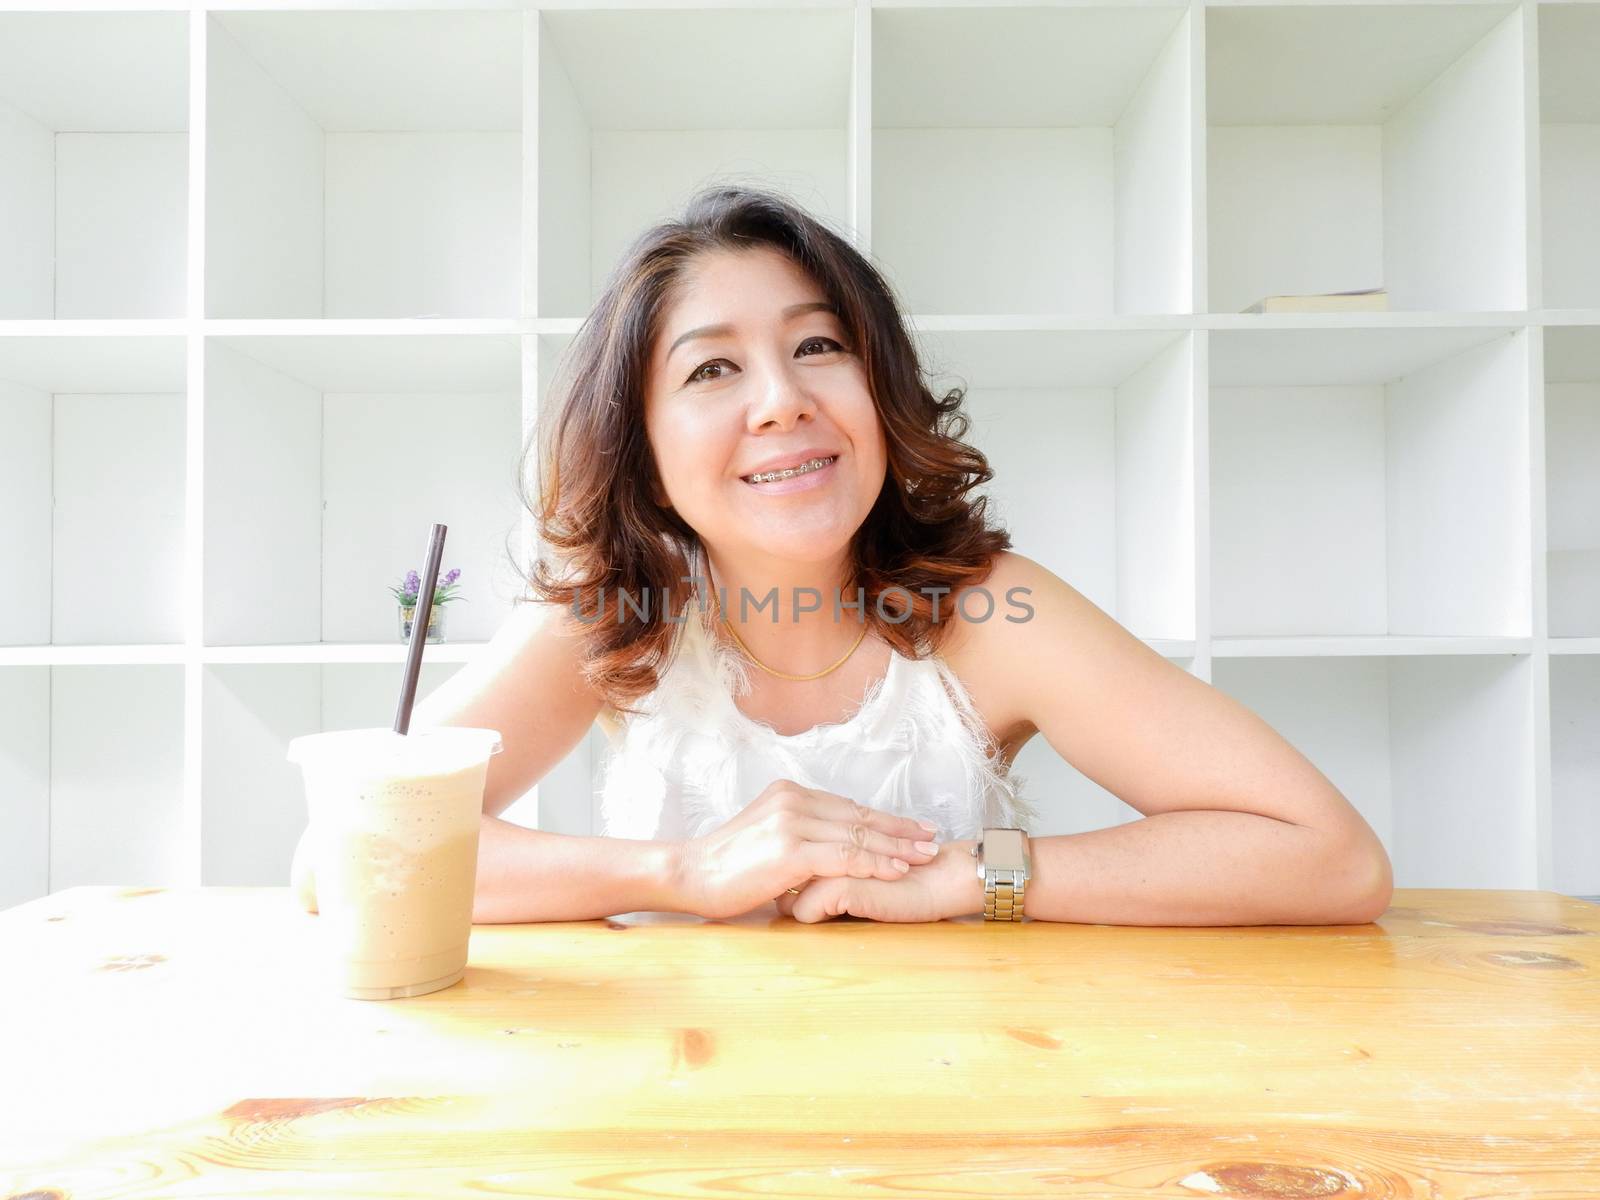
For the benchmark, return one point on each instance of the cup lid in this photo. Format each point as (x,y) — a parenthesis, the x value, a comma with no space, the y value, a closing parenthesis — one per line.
(433,750)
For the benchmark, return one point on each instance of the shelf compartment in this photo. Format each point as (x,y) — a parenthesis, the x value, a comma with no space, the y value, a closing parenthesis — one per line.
(623,143)
(94,455)
(91,768)
(1357,146)
(1033,159)
(1370,481)
(1569,151)
(94,171)
(328,458)
(1575,773)
(1091,437)
(1435,752)
(1572,463)
(253,797)
(363,164)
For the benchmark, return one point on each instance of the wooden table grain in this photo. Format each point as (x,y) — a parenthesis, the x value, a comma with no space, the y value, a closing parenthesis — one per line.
(174,1043)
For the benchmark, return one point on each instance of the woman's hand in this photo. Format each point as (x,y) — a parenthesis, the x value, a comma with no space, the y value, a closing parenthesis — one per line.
(947,886)
(786,836)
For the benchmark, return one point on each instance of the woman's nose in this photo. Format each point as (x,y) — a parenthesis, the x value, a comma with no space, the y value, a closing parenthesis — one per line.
(780,397)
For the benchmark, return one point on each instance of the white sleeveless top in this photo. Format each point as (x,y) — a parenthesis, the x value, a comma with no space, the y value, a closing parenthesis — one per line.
(691,760)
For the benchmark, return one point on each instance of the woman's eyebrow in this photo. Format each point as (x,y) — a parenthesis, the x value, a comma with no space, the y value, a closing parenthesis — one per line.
(794,310)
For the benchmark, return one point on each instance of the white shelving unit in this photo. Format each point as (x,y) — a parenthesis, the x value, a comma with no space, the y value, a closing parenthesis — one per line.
(283,283)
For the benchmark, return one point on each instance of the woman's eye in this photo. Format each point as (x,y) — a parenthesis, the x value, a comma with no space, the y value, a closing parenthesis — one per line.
(695,376)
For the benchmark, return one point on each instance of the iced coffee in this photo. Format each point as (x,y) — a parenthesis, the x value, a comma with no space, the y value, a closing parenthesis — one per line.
(394,822)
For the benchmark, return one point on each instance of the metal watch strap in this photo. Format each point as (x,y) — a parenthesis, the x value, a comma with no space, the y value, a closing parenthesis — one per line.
(1004,890)
(1003,896)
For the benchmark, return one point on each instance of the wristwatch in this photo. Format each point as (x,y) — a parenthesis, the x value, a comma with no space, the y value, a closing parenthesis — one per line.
(1004,865)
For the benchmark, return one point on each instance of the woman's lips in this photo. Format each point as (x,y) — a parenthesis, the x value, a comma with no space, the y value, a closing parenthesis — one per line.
(803,482)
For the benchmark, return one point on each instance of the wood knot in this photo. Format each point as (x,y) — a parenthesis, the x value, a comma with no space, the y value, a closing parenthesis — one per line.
(1034,1037)
(132,962)
(283,1108)
(1537,959)
(1280,1181)
(693,1048)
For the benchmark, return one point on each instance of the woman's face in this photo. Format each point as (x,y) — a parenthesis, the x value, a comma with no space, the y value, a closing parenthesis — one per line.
(776,383)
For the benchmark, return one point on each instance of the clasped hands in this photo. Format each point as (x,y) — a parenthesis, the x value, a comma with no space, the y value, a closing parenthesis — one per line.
(947,885)
(838,853)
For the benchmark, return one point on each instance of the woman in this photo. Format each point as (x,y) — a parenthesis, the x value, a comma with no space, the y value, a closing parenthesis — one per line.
(803,638)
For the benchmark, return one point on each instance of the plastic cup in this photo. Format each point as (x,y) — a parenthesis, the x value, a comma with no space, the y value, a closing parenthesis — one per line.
(394,822)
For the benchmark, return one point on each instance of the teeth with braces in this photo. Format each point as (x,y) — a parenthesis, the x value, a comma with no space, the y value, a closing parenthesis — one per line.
(814,465)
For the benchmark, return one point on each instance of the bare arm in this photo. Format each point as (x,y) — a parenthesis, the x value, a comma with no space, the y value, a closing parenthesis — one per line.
(531,875)
(1241,828)
(527,683)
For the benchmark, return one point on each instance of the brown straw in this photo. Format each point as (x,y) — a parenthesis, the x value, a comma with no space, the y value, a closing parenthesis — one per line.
(419,630)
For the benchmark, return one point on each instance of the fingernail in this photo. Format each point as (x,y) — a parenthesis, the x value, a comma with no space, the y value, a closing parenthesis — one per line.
(928,847)
(901,865)
(929,828)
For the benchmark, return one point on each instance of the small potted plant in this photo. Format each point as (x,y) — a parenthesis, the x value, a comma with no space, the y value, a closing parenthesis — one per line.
(444,591)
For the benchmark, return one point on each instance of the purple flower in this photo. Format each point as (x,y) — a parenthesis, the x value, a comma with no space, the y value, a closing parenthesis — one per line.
(443,591)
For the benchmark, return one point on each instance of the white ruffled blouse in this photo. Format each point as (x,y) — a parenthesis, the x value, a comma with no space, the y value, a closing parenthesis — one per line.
(691,760)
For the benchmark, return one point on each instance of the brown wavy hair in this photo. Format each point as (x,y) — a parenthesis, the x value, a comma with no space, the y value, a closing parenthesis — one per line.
(594,504)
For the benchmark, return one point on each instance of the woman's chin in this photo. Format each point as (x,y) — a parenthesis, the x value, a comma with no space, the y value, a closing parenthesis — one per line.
(813,538)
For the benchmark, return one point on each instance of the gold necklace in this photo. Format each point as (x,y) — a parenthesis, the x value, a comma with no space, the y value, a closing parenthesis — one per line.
(769,670)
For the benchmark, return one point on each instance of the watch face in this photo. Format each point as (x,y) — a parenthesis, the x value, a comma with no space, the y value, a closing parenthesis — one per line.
(1004,848)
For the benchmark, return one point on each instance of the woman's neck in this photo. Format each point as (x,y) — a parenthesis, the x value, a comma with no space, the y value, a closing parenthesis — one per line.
(785,611)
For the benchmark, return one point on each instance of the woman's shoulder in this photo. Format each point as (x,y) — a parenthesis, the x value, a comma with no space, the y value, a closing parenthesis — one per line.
(998,601)
(1041,624)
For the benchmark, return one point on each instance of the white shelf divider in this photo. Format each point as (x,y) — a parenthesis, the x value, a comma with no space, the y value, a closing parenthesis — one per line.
(192,831)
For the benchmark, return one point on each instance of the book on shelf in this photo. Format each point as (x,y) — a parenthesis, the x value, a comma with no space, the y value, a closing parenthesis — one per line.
(1367,300)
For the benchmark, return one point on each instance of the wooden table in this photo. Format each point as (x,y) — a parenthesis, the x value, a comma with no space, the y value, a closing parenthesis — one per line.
(171,1042)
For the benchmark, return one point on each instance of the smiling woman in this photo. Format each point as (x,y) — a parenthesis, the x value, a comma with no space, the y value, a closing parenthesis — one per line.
(788,445)
(742,420)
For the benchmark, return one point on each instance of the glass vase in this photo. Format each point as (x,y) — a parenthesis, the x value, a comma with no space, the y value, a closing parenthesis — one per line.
(435,622)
